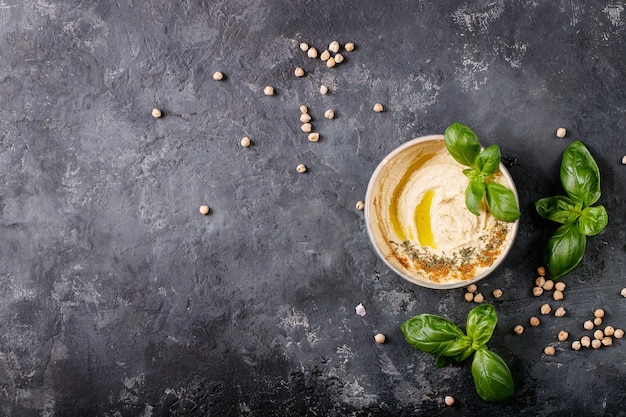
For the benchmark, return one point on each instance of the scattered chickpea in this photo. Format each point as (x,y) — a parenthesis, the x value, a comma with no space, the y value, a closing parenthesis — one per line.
(469,297)
(204,210)
(557,295)
(304,109)
(588,325)
(624,160)
(561,132)
(534,321)
(497,293)
(537,291)
(314,137)
(549,350)
(576,345)
(619,333)
(312,53)
(378,108)
(540,281)
(478,298)
(306,127)
(379,338)
(329,114)
(472,288)
(304,47)
(330,62)
(349,47)
(519,329)
(449,400)
(607,341)
(268,90)
(156,113)
(305,118)
(597,321)
(598,313)
(541,271)
(560,312)
(301,168)
(245,142)
(562,336)
(546,309)
(360,205)
(218,76)
(585,341)
(323,89)
(334,47)
(325,56)
(559,286)
(623,292)
(609,331)
(548,285)
(598,334)
(298,72)
(595,343)
(338,58)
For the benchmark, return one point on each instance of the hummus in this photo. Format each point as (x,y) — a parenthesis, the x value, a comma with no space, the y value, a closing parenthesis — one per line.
(421,223)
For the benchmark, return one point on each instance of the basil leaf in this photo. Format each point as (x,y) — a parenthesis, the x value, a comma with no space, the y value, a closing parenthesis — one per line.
(481,322)
(559,209)
(580,176)
(502,202)
(474,194)
(429,333)
(470,173)
(488,161)
(493,379)
(593,220)
(565,250)
(462,143)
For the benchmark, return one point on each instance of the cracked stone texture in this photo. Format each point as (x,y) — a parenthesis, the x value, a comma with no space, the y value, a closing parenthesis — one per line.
(117,298)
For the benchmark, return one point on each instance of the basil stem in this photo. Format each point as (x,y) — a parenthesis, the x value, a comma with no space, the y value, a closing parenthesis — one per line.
(492,377)
(565,250)
(579,173)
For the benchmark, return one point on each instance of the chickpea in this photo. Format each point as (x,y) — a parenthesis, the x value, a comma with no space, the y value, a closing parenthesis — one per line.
(540,281)
(298,72)
(561,132)
(312,53)
(305,118)
(245,142)
(449,400)
(534,321)
(624,160)
(588,325)
(323,89)
(598,334)
(301,168)
(576,345)
(623,292)
(325,56)
(338,58)
(557,295)
(379,338)
(478,298)
(218,76)
(562,336)
(314,137)
(349,46)
(268,90)
(609,331)
(519,329)
(549,351)
(595,343)
(472,288)
(585,341)
(546,309)
(619,333)
(560,312)
(597,321)
(306,127)
(537,291)
(329,114)
(469,297)
(334,47)
(541,271)
(598,313)
(304,109)
(607,341)
(360,205)
(304,47)
(330,62)
(559,286)
(378,107)
(548,285)
(497,293)
(156,113)
(204,210)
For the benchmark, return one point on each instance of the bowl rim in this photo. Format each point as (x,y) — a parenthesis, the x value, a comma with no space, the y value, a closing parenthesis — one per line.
(412,279)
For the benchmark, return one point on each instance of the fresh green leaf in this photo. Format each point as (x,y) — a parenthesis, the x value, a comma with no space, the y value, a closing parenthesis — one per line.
(431,334)
(462,144)
(488,161)
(473,195)
(580,176)
(565,250)
(593,220)
(470,173)
(492,377)
(481,322)
(559,209)
(502,202)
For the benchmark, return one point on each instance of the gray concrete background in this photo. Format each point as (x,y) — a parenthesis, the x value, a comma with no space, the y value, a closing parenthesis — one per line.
(117,298)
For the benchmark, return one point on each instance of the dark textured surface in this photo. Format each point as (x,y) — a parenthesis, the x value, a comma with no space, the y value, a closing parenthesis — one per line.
(117,298)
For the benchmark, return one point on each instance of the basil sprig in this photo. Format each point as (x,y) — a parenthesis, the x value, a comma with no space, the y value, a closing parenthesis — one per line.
(580,178)
(464,146)
(447,342)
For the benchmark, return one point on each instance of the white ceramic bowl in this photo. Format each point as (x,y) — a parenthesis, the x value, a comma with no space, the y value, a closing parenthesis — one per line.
(430,241)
